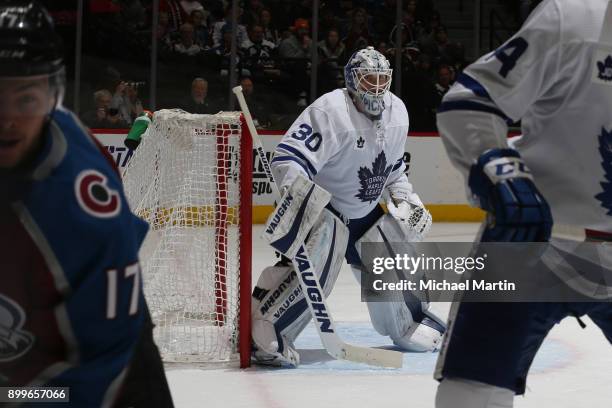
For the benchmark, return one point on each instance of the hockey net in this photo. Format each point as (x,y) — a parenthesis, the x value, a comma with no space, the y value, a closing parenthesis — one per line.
(190,179)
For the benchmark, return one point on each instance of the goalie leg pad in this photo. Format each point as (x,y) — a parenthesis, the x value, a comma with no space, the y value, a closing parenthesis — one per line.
(406,321)
(294,216)
(275,284)
(406,318)
(280,311)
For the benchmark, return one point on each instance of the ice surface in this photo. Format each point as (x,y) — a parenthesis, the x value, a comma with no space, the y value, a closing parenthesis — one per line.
(572,370)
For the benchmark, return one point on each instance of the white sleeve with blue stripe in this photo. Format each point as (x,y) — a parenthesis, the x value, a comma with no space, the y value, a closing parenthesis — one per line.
(308,144)
(401,189)
(500,88)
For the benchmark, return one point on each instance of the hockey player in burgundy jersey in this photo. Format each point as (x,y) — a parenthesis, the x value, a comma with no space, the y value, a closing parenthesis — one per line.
(72,311)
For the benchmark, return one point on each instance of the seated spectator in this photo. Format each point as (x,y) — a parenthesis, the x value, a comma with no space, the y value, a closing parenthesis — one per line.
(298,44)
(187,44)
(295,51)
(442,49)
(241,33)
(257,52)
(270,32)
(332,58)
(164,29)
(331,48)
(444,81)
(328,21)
(198,101)
(224,54)
(199,28)
(103,116)
(358,33)
(434,22)
(257,104)
(126,101)
(411,33)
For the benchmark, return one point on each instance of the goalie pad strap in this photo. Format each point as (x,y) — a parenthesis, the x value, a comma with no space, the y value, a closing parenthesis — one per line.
(295,215)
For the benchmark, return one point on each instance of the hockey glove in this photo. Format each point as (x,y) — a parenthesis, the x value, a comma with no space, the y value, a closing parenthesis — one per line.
(411,216)
(517,212)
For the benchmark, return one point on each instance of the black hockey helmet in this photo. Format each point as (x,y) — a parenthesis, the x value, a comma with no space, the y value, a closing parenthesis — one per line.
(29,45)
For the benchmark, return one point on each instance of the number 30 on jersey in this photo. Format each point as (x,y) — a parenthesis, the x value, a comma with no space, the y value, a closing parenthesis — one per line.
(312,141)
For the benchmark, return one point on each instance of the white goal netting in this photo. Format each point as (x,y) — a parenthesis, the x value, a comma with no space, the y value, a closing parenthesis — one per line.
(184,181)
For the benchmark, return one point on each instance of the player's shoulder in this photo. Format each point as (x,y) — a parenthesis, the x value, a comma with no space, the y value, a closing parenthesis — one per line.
(397,108)
(567,20)
(581,20)
(334,108)
(81,168)
(78,190)
(83,148)
(334,102)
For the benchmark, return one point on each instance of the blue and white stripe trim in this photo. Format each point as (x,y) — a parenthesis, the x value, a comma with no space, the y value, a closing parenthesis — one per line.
(290,150)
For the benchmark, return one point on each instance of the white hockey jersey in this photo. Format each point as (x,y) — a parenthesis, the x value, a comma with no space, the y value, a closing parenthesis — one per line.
(347,154)
(556,75)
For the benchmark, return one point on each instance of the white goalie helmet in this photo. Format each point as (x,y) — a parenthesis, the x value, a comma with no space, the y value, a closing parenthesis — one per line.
(368,78)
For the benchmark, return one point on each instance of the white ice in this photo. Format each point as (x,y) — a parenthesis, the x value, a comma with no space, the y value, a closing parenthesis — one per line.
(572,370)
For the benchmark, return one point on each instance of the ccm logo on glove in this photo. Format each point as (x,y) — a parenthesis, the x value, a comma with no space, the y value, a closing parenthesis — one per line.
(506,167)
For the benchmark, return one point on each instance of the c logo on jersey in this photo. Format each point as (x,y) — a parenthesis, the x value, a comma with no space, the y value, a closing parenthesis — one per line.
(94,195)
(14,342)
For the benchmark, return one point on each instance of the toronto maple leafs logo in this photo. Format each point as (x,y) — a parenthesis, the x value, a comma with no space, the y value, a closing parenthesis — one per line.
(605,149)
(605,69)
(14,342)
(373,181)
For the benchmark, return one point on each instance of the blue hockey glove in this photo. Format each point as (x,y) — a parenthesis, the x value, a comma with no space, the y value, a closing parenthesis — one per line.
(517,212)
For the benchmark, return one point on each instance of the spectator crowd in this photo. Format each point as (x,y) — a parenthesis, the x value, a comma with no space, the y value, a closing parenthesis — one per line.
(273,59)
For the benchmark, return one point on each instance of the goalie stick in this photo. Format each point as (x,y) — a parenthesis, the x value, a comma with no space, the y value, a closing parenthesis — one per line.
(311,286)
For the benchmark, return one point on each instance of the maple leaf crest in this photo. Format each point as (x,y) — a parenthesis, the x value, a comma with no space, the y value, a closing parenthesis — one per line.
(605,149)
(373,181)
(605,69)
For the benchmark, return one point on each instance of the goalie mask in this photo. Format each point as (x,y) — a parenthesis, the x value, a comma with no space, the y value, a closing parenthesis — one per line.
(368,78)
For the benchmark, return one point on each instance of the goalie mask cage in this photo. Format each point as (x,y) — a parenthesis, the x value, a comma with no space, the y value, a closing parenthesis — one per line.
(191,180)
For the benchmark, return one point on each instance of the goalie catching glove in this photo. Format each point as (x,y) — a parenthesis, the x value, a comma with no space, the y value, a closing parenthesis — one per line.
(416,219)
(504,186)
